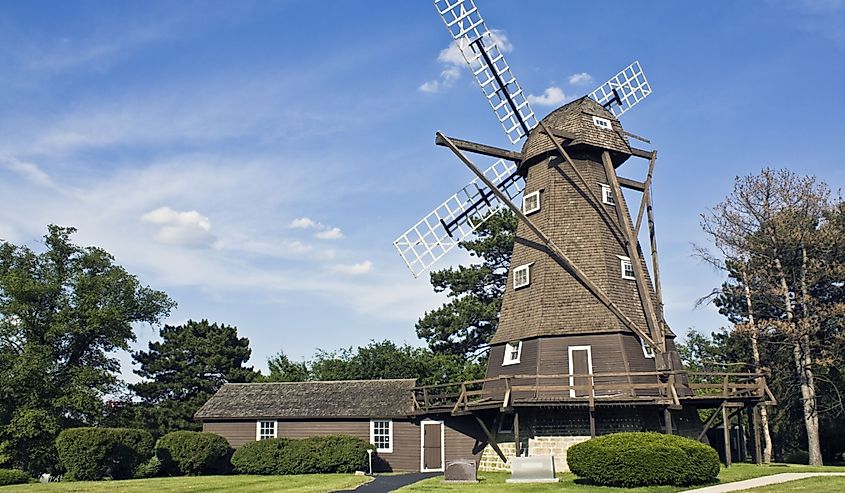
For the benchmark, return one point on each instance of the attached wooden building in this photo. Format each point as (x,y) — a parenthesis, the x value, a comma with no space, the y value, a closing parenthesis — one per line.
(378,411)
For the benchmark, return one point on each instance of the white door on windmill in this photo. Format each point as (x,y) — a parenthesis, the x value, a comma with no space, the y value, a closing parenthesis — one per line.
(580,369)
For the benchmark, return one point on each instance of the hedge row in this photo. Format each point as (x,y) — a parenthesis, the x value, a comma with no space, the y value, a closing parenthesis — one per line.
(327,454)
(96,453)
(192,453)
(13,476)
(643,459)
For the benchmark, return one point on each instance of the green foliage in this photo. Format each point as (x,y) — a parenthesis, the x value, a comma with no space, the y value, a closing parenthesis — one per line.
(150,469)
(63,314)
(465,324)
(643,459)
(326,454)
(797,457)
(177,385)
(282,369)
(96,453)
(191,453)
(13,476)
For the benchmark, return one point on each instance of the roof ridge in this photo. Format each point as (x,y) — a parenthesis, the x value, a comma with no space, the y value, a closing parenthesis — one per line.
(326,381)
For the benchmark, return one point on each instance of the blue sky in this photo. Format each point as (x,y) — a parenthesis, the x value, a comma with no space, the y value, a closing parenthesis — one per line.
(256,160)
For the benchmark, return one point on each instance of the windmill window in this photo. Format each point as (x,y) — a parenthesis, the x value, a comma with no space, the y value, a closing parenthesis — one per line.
(648,351)
(627,268)
(602,123)
(531,202)
(522,276)
(265,430)
(513,351)
(381,435)
(607,194)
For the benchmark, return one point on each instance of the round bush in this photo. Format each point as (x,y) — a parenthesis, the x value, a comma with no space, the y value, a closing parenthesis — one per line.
(149,469)
(326,454)
(192,453)
(643,459)
(13,476)
(96,453)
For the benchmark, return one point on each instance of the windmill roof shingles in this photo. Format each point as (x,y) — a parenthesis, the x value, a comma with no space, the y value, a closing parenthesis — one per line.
(340,399)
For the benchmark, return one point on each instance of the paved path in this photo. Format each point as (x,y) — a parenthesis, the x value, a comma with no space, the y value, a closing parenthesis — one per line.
(384,484)
(762,481)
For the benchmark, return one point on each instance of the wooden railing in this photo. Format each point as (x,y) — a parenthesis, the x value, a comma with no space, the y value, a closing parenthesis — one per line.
(669,388)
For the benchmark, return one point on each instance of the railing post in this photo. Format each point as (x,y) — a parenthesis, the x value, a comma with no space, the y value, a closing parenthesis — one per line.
(725,386)
(425,398)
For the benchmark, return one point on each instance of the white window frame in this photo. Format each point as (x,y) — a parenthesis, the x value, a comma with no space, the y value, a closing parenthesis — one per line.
(507,360)
(527,269)
(602,123)
(525,199)
(607,194)
(388,450)
(258,436)
(648,352)
(622,262)
(429,421)
(571,349)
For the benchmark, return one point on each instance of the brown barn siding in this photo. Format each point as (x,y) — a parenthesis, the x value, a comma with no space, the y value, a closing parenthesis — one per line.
(236,432)
(464,439)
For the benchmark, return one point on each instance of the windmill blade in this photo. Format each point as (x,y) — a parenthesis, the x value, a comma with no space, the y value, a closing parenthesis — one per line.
(624,90)
(458,217)
(488,65)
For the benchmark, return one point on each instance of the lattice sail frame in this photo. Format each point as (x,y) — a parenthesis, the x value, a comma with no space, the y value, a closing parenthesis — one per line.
(631,85)
(466,26)
(457,218)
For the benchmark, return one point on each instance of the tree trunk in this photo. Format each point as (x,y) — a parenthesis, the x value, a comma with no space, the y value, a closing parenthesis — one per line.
(803,361)
(755,351)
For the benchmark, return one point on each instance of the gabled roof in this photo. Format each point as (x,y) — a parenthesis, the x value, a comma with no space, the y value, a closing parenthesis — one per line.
(341,399)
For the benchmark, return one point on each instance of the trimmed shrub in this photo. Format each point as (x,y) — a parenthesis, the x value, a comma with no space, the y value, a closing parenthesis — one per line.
(325,454)
(797,457)
(643,459)
(192,453)
(96,453)
(150,469)
(13,476)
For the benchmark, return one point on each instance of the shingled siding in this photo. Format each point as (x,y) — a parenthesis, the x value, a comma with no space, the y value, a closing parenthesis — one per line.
(460,438)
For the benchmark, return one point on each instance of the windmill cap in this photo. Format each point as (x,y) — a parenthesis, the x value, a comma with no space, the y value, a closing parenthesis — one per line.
(582,123)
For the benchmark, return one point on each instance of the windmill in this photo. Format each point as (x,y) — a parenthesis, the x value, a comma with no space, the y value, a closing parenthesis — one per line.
(581,322)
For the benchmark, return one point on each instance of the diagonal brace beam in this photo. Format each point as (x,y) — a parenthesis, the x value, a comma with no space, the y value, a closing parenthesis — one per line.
(491,439)
(576,272)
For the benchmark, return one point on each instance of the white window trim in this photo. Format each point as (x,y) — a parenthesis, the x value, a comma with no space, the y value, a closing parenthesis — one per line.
(258,428)
(506,359)
(605,193)
(429,421)
(571,364)
(527,196)
(599,122)
(388,450)
(622,261)
(648,352)
(527,268)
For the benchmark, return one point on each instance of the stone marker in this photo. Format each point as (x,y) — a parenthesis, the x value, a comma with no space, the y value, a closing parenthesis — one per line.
(535,469)
(460,471)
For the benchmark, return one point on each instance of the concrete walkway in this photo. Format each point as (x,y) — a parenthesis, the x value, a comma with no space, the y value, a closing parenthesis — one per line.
(384,484)
(762,481)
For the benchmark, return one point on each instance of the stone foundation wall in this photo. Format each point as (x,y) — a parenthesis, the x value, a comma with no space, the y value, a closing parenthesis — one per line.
(554,446)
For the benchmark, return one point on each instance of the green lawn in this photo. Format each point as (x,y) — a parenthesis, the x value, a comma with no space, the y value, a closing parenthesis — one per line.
(313,483)
(495,482)
(834,484)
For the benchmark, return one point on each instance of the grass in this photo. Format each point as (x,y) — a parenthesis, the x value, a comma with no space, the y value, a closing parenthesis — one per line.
(834,484)
(312,483)
(495,482)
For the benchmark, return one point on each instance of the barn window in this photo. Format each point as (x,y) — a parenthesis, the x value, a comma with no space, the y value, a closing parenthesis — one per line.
(626,267)
(648,351)
(602,123)
(531,202)
(607,194)
(265,430)
(381,435)
(513,350)
(522,276)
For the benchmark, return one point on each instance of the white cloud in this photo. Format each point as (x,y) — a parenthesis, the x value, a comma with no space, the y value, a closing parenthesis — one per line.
(303,223)
(430,86)
(187,228)
(551,96)
(453,63)
(580,79)
(329,234)
(30,171)
(353,269)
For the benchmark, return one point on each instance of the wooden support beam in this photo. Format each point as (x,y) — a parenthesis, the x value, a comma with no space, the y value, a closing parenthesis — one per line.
(741,450)
(754,429)
(726,434)
(655,264)
(646,195)
(563,259)
(667,419)
(491,439)
(474,147)
(624,219)
(516,438)
(592,422)
(641,153)
(632,184)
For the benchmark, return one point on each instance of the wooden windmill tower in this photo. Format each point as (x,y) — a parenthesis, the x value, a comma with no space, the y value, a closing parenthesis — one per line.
(582,317)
